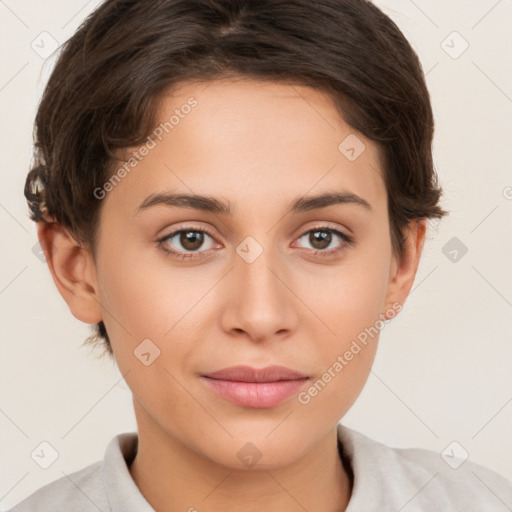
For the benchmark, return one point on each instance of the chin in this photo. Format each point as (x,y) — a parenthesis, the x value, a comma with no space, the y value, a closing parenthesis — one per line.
(254,453)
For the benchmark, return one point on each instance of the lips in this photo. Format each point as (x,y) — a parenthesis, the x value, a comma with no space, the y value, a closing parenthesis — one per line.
(248,374)
(258,388)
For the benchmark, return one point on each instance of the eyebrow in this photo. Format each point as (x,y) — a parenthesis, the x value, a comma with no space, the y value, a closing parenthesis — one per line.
(216,206)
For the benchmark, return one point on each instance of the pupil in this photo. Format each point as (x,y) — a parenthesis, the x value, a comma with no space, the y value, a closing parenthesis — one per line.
(191,240)
(324,239)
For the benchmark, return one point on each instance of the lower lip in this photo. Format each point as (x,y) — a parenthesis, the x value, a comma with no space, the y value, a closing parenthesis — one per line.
(255,394)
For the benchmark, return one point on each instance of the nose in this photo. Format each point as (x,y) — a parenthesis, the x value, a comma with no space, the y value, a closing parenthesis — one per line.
(262,302)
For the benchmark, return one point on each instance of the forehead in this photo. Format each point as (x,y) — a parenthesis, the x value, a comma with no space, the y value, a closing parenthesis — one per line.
(244,139)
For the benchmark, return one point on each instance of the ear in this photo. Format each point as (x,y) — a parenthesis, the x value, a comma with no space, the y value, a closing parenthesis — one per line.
(403,270)
(73,271)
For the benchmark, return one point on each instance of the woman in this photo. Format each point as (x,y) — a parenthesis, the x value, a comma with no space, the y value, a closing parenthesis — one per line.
(235,193)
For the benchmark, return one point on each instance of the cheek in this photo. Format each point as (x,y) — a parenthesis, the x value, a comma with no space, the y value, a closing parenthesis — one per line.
(346,361)
(145,296)
(351,304)
(150,330)
(353,296)
(147,299)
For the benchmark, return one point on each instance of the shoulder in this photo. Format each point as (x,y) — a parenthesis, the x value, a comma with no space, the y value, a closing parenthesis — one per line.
(81,491)
(418,479)
(458,483)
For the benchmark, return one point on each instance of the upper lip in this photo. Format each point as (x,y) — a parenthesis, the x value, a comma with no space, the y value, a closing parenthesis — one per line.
(249,374)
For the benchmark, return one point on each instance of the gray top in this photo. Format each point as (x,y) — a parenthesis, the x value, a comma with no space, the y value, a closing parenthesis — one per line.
(385,479)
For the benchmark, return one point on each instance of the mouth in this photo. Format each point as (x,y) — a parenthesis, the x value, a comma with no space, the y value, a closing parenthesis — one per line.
(257,388)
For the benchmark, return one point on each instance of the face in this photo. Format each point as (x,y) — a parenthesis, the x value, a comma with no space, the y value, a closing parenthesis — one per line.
(186,291)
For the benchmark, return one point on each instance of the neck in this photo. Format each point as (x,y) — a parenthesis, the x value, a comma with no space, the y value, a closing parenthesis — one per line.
(173,477)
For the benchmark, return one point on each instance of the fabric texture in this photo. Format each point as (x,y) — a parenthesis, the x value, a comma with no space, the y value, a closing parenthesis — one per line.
(385,479)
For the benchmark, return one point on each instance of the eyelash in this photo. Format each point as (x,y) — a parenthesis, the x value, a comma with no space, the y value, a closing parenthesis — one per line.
(316,252)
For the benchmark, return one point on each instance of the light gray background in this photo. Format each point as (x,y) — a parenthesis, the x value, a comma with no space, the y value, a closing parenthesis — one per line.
(442,373)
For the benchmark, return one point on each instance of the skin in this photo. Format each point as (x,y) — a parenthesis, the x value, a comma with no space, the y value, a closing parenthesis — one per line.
(258,145)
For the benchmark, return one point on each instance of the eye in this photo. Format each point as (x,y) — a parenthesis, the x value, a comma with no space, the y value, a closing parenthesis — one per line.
(190,239)
(185,243)
(321,238)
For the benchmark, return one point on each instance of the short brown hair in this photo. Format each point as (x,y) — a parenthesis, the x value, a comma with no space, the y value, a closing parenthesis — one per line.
(104,90)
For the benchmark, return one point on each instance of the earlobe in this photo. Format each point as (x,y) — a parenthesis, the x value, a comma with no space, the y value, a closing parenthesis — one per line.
(73,271)
(403,269)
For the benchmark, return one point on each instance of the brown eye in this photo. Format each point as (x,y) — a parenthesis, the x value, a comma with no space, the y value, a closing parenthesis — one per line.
(191,240)
(323,238)
(186,243)
(320,239)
